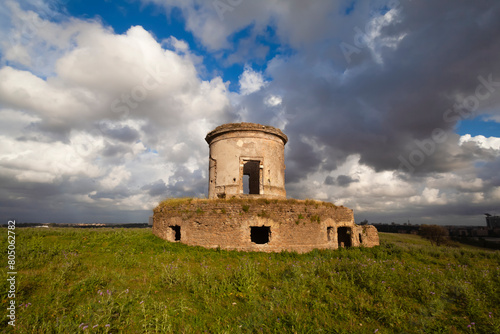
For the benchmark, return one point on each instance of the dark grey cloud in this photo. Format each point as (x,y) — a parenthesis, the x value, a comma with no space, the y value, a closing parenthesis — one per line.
(345,180)
(490,172)
(301,160)
(380,111)
(111,150)
(386,104)
(124,134)
(186,183)
(341,180)
(117,193)
(156,188)
(452,214)
(56,202)
(329,181)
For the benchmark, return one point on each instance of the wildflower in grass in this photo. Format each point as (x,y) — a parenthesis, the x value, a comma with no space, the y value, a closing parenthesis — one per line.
(375,331)
(142,301)
(81,325)
(85,327)
(94,326)
(109,292)
(108,325)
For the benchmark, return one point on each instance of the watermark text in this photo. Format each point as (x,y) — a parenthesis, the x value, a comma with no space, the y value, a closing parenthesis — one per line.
(11,274)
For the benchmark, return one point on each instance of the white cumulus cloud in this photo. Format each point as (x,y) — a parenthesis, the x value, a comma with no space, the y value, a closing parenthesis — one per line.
(116,114)
(482,141)
(251,81)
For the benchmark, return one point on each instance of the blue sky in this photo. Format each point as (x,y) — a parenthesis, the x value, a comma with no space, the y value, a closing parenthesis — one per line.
(105,104)
(478,126)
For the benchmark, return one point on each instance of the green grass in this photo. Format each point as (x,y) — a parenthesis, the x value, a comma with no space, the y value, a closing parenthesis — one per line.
(135,282)
(246,202)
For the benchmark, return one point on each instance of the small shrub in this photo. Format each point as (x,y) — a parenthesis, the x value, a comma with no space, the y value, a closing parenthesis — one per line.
(175,202)
(264,214)
(437,235)
(245,207)
(315,218)
(264,201)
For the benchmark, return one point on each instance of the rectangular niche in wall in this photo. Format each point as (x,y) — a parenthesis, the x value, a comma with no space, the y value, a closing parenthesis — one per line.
(330,233)
(260,234)
(176,232)
(251,183)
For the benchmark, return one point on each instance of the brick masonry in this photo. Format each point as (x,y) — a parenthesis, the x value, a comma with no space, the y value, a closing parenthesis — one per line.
(259,224)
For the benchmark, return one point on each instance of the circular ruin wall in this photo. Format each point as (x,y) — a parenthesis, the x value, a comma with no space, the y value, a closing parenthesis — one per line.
(261,225)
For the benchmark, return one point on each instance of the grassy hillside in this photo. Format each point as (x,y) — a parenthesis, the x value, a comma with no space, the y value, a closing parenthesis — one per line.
(129,281)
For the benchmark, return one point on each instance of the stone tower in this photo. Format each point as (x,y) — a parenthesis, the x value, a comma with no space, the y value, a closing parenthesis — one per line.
(246,160)
(247,208)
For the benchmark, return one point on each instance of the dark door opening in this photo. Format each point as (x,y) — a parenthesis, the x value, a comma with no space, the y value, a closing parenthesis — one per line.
(177,232)
(251,169)
(360,238)
(260,234)
(344,236)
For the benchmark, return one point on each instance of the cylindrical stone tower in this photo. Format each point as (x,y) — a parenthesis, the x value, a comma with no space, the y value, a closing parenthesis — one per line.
(246,159)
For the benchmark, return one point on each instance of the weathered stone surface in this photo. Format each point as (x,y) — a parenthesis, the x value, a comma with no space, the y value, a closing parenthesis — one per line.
(293,225)
(255,150)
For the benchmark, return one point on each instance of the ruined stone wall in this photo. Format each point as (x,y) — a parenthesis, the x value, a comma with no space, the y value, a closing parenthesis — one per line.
(250,149)
(261,225)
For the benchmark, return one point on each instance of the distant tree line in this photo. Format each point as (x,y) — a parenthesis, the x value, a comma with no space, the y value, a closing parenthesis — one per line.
(436,234)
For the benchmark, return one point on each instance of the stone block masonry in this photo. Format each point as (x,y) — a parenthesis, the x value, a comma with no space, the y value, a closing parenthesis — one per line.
(260,224)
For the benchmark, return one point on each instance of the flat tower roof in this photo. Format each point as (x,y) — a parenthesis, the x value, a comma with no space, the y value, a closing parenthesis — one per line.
(230,127)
